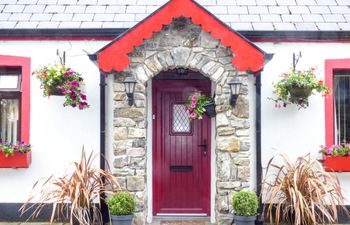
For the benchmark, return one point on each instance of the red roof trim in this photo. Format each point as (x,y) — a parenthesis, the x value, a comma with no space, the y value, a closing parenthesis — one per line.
(246,55)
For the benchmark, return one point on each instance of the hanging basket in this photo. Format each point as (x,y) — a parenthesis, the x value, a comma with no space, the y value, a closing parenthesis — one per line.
(55,91)
(210,109)
(299,92)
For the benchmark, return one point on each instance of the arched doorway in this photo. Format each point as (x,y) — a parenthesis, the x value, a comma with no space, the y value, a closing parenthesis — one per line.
(181,147)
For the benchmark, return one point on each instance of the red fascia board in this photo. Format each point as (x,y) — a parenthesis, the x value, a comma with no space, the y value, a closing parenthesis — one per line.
(24,63)
(332,65)
(115,55)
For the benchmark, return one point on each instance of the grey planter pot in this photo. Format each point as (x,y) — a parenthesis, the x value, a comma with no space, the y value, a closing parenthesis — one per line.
(244,220)
(122,220)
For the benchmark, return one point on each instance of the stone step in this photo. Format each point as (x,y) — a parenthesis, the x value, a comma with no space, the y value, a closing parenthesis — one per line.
(180,222)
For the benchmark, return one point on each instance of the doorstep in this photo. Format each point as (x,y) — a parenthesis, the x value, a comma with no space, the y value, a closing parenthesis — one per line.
(181,221)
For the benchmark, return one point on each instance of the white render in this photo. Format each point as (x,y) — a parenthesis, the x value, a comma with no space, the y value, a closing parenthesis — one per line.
(288,130)
(58,134)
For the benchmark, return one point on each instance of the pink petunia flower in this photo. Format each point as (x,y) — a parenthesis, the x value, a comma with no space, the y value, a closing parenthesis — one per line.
(193,115)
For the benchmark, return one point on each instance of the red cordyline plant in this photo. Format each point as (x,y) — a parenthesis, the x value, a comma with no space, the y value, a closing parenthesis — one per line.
(73,195)
(301,193)
(60,79)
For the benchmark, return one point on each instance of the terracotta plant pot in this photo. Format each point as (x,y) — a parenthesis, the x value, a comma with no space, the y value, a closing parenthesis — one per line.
(121,220)
(18,160)
(336,163)
(210,109)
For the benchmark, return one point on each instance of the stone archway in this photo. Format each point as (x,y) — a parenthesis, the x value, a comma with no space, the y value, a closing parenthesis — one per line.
(182,45)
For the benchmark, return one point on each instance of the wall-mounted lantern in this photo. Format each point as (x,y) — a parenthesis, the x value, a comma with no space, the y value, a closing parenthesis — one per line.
(235,88)
(130,83)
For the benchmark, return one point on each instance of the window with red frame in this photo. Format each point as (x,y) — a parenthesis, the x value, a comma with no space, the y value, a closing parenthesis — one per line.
(337,76)
(14,98)
(10,98)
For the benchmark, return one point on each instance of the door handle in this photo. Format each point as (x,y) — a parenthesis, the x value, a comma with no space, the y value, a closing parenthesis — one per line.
(204,146)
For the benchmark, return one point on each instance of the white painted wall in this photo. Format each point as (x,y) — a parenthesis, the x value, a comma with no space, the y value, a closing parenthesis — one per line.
(57,133)
(288,130)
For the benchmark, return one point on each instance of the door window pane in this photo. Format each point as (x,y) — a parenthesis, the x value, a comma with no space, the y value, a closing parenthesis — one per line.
(342,107)
(9,119)
(181,120)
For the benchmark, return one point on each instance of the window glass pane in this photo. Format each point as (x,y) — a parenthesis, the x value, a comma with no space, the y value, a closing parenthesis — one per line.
(9,119)
(181,119)
(8,81)
(342,107)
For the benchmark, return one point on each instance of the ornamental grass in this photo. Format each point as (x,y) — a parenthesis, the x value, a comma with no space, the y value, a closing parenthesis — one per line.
(73,195)
(301,193)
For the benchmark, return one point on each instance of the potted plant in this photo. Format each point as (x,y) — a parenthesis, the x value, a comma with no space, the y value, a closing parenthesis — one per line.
(300,192)
(198,104)
(336,157)
(75,194)
(121,208)
(296,87)
(62,80)
(245,205)
(15,155)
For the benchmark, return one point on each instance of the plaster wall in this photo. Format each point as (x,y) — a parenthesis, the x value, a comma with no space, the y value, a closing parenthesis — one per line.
(288,130)
(57,133)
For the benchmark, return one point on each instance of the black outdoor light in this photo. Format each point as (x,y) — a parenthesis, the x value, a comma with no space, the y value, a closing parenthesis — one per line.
(130,83)
(235,88)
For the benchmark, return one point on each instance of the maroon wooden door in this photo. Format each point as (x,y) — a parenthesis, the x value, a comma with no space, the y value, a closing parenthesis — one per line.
(181,150)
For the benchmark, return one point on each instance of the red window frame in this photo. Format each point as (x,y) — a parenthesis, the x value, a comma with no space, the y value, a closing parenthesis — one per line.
(332,65)
(24,64)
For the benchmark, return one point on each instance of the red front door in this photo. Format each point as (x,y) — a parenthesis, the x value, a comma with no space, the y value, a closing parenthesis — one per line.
(181,152)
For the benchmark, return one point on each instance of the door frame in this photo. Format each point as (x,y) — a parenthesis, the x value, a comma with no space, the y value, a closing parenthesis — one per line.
(151,140)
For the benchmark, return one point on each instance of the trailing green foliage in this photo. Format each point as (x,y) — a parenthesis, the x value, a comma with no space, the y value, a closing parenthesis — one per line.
(245,203)
(10,148)
(121,204)
(60,79)
(298,80)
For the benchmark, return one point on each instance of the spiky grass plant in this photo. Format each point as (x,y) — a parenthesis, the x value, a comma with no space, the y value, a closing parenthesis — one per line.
(300,193)
(74,194)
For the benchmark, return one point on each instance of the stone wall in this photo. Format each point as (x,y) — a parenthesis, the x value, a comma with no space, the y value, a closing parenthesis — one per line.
(182,44)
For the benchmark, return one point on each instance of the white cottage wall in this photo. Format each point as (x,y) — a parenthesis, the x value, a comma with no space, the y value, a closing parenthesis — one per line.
(288,130)
(57,133)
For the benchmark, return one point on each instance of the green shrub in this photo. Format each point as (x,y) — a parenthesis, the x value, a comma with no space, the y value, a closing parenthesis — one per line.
(245,203)
(121,204)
